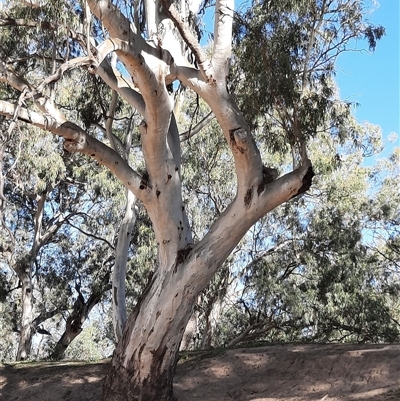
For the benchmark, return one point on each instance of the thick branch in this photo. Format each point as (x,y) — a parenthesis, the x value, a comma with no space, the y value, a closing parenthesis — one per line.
(118,83)
(53,228)
(9,77)
(27,23)
(44,316)
(38,221)
(144,63)
(151,82)
(248,163)
(235,221)
(109,122)
(76,140)
(67,66)
(34,3)
(202,61)
(222,37)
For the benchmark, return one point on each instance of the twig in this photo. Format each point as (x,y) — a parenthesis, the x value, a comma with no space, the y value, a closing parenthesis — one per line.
(197,128)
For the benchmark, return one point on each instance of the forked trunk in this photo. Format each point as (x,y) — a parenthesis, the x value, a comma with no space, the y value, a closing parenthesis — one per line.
(78,317)
(69,334)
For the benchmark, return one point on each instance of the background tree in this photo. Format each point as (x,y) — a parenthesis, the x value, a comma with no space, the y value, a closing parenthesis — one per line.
(315,270)
(48,253)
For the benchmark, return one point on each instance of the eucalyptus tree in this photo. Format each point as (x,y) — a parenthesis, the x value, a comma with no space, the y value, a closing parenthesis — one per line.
(92,265)
(326,269)
(290,93)
(47,210)
(156,44)
(27,228)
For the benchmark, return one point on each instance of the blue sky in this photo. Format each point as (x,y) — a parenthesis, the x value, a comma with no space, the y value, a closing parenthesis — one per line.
(372,79)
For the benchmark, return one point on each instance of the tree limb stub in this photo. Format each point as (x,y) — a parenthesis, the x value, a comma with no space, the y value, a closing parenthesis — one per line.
(307,181)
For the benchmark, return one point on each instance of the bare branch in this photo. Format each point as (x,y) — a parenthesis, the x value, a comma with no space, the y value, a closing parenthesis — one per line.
(197,128)
(118,83)
(67,66)
(146,79)
(9,77)
(27,23)
(44,316)
(158,111)
(34,3)
(91,235)
(110,119)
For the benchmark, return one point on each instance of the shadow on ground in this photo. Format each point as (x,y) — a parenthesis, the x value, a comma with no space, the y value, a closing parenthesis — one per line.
(272,373)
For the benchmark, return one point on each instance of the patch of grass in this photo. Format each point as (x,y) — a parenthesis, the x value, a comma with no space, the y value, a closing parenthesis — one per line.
(186,356)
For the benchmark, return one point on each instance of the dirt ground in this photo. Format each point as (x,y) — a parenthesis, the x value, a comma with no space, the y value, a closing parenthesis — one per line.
(271,373)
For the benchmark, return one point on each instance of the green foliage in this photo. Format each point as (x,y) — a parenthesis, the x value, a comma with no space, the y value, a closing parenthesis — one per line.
(284,63)
(325,268)
(91,345)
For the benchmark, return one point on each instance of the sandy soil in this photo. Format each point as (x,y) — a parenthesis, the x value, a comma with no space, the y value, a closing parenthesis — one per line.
(272,373)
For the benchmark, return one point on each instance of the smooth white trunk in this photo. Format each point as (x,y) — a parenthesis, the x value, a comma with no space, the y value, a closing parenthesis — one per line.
(26,330)
(24,272)
(119,270)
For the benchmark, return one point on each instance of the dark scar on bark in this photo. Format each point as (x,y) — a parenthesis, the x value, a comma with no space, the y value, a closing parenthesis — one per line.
(247,198)
(269,175)
(145,181)
(232,136)
(232,140)
(115,296)
(181,255)
(307,181)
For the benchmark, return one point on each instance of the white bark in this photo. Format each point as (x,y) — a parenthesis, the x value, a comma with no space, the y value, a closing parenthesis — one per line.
(222,38)
(24,272)
(77,140)
(119,270)
(32,3)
